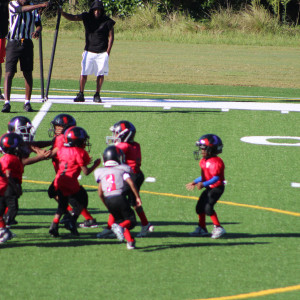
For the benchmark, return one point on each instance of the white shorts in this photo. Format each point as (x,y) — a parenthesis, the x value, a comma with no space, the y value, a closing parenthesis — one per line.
(94,63)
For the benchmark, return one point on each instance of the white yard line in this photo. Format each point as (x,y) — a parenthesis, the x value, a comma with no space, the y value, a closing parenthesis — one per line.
(169,104)
(41,114)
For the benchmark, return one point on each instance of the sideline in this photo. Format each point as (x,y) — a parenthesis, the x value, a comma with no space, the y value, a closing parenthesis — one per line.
(295,214)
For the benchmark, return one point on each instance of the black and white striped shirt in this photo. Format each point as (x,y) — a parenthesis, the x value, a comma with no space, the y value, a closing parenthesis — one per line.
(21,24)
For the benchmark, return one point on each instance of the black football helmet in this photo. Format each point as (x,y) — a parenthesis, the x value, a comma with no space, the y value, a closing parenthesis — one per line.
(209,142)
(123,131)
(77,137)
(64,120)
(22,126)
(11,143)
(113,156)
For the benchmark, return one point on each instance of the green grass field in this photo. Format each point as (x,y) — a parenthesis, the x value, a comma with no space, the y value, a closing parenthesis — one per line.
(259,256)
(260,253)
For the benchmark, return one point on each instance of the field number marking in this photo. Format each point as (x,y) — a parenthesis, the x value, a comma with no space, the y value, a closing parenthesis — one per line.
(265,140)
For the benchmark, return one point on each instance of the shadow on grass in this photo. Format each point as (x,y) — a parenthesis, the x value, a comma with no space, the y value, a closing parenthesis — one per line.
(195,245)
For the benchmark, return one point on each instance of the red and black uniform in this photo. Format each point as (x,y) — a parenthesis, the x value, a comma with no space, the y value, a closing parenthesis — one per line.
(66,181)
(133,158)
(212,173)
(57,142)
(12,163)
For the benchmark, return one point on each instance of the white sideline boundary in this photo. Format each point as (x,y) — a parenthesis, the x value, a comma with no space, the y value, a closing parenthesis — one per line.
(108,102)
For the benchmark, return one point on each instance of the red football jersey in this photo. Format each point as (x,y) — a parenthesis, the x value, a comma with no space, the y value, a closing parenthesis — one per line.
(58,142)
(71,159)
(133,155)
(3,180)
(13,163)
(210,167)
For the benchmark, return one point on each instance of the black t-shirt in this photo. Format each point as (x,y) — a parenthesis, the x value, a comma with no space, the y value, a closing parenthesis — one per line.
(3,18)
(96,32)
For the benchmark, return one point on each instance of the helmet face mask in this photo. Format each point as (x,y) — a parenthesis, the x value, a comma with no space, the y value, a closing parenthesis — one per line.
(23,127)
(123,131)
(77,137)
(210,143)
(64,121)
(113,156)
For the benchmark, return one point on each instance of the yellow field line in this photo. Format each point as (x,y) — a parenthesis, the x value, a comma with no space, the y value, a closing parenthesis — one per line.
(194,198)
(257,294)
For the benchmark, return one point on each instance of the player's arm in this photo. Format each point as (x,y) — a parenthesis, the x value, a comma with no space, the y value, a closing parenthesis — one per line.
(27,8)
(71,17)
(41,144)
(134,190)
(86,171)
(37,158)
(111,37)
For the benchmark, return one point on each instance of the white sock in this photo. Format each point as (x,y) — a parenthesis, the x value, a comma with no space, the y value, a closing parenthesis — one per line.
(7,101)
(27,101)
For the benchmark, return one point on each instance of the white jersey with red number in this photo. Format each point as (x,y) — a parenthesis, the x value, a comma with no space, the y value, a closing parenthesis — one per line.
(112,179)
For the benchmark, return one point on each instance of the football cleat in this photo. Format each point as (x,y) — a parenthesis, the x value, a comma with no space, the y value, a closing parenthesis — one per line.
(145,230)
(53,230)
(6,235)
(217,232)
(118,231)
(89,224)
(131,245)
(199,231)
(71,225)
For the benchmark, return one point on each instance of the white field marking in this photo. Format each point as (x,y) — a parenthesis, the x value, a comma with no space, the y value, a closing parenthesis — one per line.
(179,94)
(264,140)
(295,184)
(219,105)
(41,114)
(150,179)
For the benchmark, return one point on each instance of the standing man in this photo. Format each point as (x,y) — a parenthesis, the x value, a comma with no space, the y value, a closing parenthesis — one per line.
(3,33)
(99,38)
(23,18)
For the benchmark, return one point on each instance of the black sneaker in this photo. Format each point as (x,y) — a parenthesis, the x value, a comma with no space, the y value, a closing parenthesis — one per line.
(79,97)
(54,229)
(71,225)
(27,107)
(97,98)
(6,108)
(89,224)
(67,217)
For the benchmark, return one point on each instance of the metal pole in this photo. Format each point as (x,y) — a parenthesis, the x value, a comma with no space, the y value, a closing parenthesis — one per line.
(53,52)
(41,67)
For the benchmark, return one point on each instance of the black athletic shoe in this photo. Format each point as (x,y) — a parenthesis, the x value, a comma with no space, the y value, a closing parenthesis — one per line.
(6,108)
(67,217)
(27,107)
(97,98)
(89,224)
(79,97)
(71,225)
(54,229)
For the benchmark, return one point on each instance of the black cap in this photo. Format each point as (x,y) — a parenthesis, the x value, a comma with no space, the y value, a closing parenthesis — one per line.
(97,4)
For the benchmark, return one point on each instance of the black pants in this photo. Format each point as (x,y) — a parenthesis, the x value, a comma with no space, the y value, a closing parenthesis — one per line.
(78,201)
(138,180)
(119,207)
(208,199)
(11,200)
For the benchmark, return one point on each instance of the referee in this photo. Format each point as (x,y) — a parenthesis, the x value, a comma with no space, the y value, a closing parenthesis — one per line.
(23,18)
